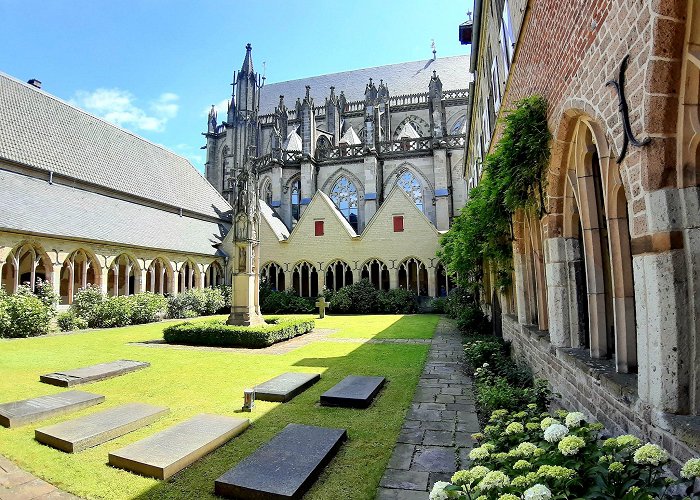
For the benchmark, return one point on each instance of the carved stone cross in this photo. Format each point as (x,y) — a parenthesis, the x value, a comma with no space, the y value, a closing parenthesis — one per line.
(321,304)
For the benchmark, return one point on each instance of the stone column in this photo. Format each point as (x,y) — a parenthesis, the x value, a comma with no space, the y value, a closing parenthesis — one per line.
(83,279)
(442,193)
(104,278)
(432,282)
(161,285)
(276,186)
(371,188)
(152,272)
(71,280)
(321,281)
(557,292)
(140,281)
(393,278)
(201,279)
(116,279)
(55,278)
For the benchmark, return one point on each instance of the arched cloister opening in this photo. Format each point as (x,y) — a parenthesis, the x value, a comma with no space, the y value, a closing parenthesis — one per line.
(188,276)
(273,275)
(338,275)
(305,279)
(79,270)
(413,276)
(26,264)
(121,277)
(214,275)
(159,276)
(377,273)
(444,282)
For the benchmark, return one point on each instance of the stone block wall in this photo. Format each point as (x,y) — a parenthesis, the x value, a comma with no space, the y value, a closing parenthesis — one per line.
(593,387)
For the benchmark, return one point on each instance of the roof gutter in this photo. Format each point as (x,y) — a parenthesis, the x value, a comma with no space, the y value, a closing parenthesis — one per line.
(474,56)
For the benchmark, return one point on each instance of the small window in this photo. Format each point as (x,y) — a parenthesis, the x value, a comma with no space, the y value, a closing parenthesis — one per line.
(398,223)
(319,228)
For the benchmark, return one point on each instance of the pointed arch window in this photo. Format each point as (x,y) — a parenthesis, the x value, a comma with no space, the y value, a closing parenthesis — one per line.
(344,195)
(408,182)
(296,200)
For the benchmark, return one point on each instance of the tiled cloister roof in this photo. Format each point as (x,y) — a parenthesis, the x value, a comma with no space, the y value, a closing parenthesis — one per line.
(32,205)
(41,131)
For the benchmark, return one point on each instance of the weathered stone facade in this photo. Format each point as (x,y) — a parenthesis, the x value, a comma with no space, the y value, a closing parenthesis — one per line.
(612,267)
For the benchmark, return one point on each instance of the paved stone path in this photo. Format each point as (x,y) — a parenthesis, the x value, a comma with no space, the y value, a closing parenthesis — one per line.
(436,436)
(17,484)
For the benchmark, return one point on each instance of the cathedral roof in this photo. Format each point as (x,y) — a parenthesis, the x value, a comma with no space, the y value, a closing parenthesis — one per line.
(403,78)
(350,137)
(32,205)
(41,131)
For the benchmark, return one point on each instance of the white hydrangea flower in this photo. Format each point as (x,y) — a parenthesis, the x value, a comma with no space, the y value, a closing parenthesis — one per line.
(555,433)
(494,480)
(438,492)
(515,428)
(691,469)
(478,453)
(650,454)
(574,419)
(547,421)
(537,492)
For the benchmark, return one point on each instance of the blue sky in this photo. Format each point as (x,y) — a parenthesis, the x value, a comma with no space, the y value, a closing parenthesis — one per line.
(155,66)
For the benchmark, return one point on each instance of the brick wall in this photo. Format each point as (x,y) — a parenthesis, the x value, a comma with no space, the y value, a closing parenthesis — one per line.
(591,386)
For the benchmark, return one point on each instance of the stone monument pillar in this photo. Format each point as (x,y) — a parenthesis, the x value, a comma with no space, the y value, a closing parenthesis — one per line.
(245,297)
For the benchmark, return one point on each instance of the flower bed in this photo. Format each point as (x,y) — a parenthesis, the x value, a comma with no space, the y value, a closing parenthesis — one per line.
(538,456)
(217,333)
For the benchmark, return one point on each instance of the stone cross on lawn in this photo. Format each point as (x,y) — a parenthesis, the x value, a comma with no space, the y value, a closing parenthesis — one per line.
(321,304)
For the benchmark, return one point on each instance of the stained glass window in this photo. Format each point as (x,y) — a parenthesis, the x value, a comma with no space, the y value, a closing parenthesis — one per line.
(344,195)
(413,187)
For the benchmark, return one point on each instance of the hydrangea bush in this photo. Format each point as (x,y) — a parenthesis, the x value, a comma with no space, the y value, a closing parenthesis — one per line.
(529,455)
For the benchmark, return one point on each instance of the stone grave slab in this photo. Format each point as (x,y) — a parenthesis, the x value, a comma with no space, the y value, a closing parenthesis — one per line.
(27,411)
(353,392)
(284,387)
(85,432)
(92,373)
(171,450)
(285,467)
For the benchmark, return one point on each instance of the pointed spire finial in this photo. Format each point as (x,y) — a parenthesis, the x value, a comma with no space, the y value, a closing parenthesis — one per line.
(308,91)
(247,67)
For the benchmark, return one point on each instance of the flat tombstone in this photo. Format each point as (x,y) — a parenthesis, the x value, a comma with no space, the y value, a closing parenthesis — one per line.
(285,467)
(168,452)
(27,411)
(85,432)
(284,387)
(353,392)
(92,373)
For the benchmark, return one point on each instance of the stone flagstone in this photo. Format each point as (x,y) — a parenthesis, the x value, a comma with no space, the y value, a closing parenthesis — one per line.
(284,387)
(27,411)
(171,450)
(85,432)
(92,373)
(353,392)
(436,436)
(285,467)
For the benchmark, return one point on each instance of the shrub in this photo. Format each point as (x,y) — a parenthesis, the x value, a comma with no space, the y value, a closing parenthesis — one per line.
(181,305)
(197,302)
(360,297)
(68,321)
(45,293)
(86,301)
(24,314)
(147,307)
(472,320)
(562,456)
(112,312)
(217,333)
(226,294)
(213,301)
(397,301)
(274,302)
(438,305)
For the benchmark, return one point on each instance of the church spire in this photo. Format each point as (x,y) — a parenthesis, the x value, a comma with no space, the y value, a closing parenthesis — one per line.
(247,68)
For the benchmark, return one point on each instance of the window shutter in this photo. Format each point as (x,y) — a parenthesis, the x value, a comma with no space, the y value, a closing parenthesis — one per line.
(398,223)
(319,228)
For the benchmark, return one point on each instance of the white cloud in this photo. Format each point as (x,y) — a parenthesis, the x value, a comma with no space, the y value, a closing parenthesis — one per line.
(119,107)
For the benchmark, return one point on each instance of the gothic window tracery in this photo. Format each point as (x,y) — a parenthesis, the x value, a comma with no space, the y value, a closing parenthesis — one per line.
(338,275)
(344,195)
(273,275)
(266,194)
(408,182)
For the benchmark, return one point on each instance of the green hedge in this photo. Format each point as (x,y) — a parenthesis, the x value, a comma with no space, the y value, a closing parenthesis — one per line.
(26,313)
(217,333)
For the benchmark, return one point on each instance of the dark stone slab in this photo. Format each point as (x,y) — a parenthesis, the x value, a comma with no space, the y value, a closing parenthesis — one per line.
(284,387)
(285,467)
(353,392)
(27,411)
(85,432)
(93,373)
(171,450)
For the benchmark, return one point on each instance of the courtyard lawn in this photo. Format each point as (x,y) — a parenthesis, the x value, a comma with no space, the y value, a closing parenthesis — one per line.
(191,381)
(387,326)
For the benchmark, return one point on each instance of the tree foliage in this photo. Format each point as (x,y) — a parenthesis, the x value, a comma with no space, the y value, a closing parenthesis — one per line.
(513,179)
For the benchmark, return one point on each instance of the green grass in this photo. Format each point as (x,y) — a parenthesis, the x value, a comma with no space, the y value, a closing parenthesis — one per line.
(387,326)
(196,381)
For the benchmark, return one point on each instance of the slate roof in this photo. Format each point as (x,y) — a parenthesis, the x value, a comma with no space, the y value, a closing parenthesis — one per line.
(275,223)
(33,205)
(41,131)
(403,78)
